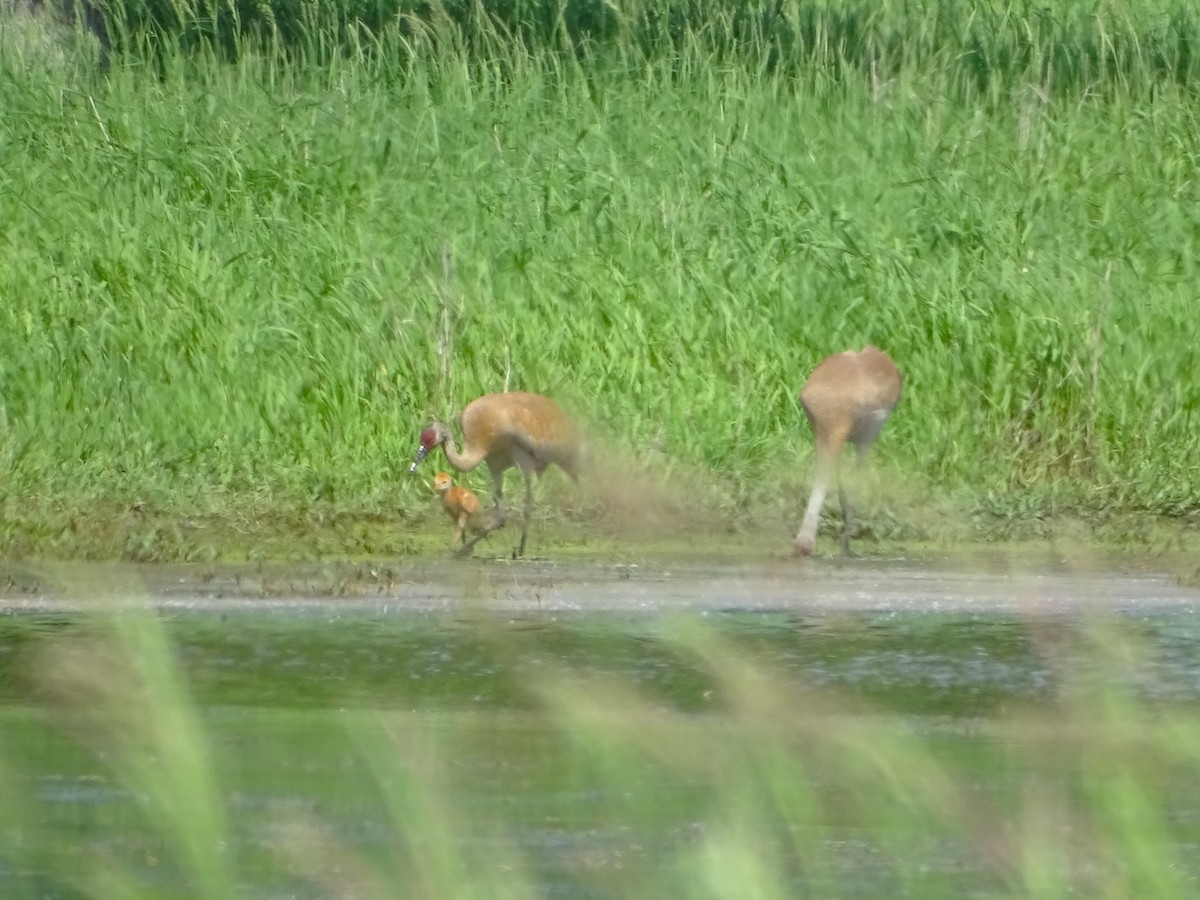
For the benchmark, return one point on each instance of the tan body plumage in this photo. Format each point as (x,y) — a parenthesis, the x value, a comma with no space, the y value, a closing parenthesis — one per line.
(461,505)
(522,430)
(848,397)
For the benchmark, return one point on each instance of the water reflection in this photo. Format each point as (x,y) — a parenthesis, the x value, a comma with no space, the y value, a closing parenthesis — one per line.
(285,698)
(910,662)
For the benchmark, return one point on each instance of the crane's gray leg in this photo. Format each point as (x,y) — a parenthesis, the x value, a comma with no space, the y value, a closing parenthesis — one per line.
(844,498)
(847,518)
(826,473)
(498,516)
(520,551)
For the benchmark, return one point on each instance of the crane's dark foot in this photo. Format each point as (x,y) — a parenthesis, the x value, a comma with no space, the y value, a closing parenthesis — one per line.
(844,542)
(519,550)
(469,547)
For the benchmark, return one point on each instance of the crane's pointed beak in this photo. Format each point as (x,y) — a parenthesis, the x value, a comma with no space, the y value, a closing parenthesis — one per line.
(421,451)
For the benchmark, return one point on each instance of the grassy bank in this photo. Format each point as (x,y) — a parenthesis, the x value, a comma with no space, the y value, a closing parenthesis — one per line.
(233,292)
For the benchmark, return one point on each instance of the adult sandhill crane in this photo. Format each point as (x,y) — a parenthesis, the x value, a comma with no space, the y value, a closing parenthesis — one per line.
(848,397)
(528,431)
(460,504)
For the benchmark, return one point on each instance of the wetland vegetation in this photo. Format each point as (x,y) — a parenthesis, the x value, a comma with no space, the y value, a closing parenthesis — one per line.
(249,250)
(242,267)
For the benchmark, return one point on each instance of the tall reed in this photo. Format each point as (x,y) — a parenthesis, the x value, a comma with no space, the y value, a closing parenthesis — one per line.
(225,292)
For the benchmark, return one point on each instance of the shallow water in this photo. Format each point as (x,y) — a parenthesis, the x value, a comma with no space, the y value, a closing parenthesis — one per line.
(454,670)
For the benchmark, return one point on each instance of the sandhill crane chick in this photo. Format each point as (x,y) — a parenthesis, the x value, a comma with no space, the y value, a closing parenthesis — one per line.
(517,429)
(461,505)
(848,397)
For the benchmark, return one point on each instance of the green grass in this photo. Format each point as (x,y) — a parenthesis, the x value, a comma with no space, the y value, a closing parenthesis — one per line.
(225,284)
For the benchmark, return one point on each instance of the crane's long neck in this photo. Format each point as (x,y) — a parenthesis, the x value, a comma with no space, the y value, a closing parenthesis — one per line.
(464,462)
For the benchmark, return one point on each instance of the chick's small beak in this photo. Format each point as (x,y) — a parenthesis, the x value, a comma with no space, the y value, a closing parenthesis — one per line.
(421,451)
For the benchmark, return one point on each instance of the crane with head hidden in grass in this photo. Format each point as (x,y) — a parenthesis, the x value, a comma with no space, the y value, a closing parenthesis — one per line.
(848,397)
(526,431)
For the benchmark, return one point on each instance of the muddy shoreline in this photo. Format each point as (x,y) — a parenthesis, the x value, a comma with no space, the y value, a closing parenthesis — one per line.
(947,584)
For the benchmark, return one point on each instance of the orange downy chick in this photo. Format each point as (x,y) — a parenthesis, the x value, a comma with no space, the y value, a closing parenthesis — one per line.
(460,504)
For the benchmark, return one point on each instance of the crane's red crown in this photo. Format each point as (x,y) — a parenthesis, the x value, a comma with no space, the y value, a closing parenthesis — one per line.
(429,439)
